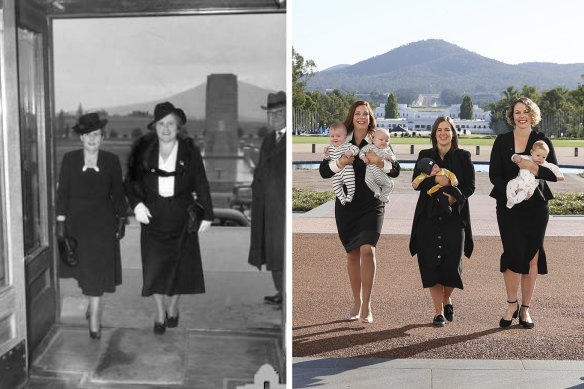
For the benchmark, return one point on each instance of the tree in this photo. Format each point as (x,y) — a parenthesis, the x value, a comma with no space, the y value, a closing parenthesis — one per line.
(577,95)
(302,71)
(555,100)
(79,110)
(391,111)
(449,97)
(466,108)
(406,96)
(531,93)
(499,108)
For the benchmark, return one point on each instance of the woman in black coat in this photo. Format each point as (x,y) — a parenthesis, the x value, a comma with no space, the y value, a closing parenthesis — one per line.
(91,211)
(523,226)
(165,173)
(440,240)
(359,222)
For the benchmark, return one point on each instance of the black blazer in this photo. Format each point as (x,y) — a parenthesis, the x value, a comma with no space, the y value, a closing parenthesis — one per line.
(502,169)
(459,162)
(142,179)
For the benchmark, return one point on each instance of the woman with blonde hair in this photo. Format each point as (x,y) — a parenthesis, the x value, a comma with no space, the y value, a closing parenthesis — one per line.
(522,227)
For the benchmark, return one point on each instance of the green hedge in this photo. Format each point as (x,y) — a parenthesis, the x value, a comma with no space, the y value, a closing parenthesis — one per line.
(304,200)
(567,204)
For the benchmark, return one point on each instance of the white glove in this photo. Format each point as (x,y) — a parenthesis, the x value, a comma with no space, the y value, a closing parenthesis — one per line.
(142,213)
(205,225)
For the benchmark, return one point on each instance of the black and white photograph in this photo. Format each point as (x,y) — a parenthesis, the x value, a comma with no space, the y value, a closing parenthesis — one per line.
(143,200)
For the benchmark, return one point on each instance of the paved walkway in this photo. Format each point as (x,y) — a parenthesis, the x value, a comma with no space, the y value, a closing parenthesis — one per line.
(400,349)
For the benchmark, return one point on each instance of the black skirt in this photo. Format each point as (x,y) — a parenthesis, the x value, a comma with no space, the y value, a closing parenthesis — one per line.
(522,230)
(171,258)
(440,262)
(359,223)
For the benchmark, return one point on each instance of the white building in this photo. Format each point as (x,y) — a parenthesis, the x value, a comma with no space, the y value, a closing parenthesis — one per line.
(420,120)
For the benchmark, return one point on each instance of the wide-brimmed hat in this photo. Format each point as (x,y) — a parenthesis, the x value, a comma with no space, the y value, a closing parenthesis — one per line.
(425,165)
(163,109)
(276,100)
(88,123)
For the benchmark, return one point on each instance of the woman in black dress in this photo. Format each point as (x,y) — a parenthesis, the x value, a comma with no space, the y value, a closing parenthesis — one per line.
(359,222)
(440,240)
(522,227)
(165,174)
(91,210)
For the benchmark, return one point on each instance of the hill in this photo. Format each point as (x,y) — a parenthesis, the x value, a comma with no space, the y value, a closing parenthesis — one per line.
(433,65)
(192,101)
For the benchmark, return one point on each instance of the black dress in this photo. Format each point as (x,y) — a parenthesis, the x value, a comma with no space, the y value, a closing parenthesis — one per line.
(171,257)
(359,222)
(440,241)
(92,201)
(522,227)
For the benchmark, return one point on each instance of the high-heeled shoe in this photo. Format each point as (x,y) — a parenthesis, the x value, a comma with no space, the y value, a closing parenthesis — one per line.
(172,321)
(506,323)
(367,319)
(159,328)
(525,324)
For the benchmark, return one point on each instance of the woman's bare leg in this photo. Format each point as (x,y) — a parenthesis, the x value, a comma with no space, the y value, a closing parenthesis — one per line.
(94,314)
(437,293)
(527,287)
(367,277)
(173,305)
(354,270)
(511,285)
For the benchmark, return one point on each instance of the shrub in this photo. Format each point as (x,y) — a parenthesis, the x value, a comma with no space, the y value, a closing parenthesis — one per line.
(304,200)
(567,204)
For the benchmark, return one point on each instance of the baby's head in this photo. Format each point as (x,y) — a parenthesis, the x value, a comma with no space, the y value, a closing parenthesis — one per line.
(338,134)
(539,152)
(381,138)
(428,166)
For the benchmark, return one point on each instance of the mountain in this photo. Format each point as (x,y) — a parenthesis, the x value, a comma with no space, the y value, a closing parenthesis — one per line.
(433,65)
(193,102)
(336,67)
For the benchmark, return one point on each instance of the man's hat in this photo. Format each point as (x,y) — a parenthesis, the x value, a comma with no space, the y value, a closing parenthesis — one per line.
(88,123)
(163,109)
(276,100)
(425,165)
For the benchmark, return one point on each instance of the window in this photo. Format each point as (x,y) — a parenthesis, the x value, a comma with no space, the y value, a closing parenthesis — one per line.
(32,141)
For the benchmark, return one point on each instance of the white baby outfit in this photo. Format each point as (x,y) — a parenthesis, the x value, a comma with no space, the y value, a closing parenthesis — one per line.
(526,181)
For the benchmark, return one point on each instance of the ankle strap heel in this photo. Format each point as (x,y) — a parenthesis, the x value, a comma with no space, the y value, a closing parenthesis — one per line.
(525,324)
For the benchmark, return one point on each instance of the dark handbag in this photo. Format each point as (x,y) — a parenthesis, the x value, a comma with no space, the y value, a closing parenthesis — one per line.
(196,213)
(67,247)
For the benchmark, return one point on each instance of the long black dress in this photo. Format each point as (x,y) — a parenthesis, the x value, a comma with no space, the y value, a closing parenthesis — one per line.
(92,201)
(171,257)
(359,222)
(522,227)
(440,241)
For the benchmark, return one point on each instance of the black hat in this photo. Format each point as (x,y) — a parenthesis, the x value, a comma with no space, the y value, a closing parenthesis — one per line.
(163,109)
(425,165)
(276,100)
(88,123)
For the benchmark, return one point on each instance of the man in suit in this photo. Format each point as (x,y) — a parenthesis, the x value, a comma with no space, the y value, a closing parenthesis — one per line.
(268,209)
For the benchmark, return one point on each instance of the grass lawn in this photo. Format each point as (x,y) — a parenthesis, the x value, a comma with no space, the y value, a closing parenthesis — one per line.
(463,140)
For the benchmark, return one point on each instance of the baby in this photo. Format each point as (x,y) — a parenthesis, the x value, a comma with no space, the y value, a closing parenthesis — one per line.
(519,188)
(428,167)
(379,183)
(338,148)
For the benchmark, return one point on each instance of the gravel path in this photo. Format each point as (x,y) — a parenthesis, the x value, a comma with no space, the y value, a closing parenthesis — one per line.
(403,310)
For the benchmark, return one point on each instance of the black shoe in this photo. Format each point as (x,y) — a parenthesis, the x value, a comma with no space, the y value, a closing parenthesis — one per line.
(449,312)
(439,321)
(275,299)
(172,321)
(95,335)
(523,323)
(159,328)
(506,323)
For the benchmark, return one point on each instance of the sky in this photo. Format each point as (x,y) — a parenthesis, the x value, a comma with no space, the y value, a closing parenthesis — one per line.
(110,62)
(333,32)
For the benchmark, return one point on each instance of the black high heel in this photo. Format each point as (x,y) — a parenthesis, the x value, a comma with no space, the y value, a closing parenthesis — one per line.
(172,321)
(506,323)
(524,323)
